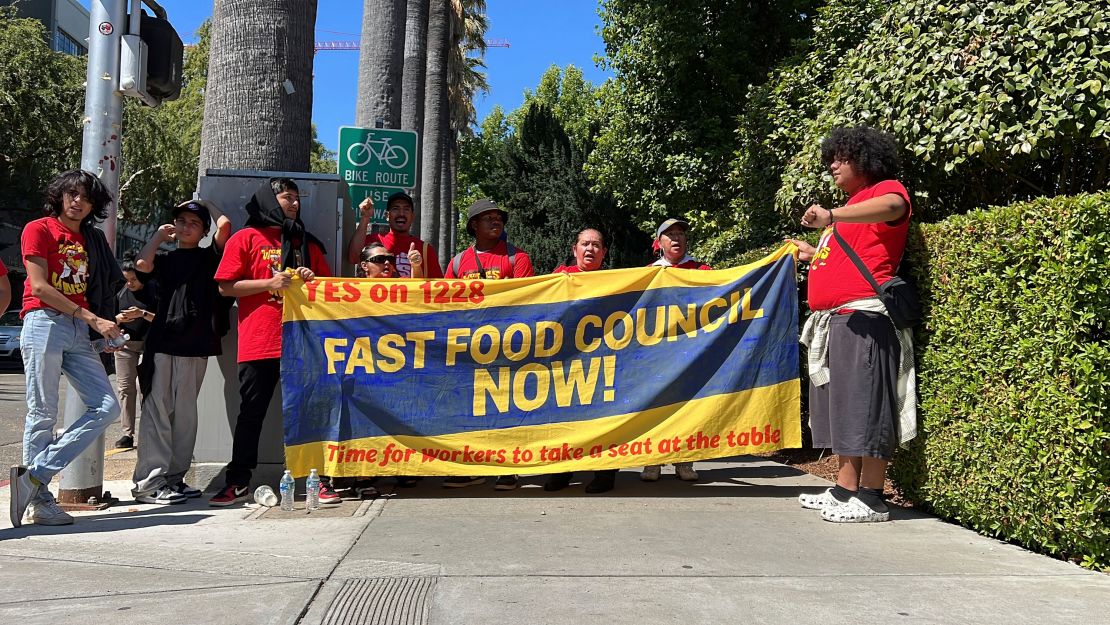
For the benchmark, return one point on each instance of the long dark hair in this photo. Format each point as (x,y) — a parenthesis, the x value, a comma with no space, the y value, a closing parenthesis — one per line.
(77,181)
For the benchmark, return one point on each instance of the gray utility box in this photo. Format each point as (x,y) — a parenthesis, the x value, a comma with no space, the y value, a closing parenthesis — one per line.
(326,213)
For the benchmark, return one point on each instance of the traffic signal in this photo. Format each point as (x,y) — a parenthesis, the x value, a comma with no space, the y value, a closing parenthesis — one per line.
(151,58)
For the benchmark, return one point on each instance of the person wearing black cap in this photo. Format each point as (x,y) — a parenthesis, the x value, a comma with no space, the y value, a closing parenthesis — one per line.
(489,258)
(671,245)
(415,258)
(190,320)
(257,265)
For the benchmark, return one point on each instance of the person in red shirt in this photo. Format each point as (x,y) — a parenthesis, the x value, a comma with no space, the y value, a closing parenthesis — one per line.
(258,263)
(5,288)
(671,245)
(489,258)
(854,403)
(399,211)
(588,252)
(72,278)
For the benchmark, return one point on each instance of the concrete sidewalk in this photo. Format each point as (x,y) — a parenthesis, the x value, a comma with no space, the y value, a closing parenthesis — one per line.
(733,548)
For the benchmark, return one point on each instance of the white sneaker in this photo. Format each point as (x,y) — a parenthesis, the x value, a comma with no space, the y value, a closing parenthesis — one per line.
(47,512)
(652,473)
(23,490)
(820,501)
(685,472)
(163,496)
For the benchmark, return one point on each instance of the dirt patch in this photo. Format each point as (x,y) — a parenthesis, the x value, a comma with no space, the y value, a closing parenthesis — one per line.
(823,464)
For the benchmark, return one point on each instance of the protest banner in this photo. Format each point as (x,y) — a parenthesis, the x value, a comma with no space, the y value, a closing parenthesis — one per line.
(563,372)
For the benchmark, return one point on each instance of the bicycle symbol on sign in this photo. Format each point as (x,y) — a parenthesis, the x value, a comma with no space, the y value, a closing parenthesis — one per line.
(393,156)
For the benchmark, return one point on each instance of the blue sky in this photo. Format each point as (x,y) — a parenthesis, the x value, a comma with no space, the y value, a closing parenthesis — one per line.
(540,33)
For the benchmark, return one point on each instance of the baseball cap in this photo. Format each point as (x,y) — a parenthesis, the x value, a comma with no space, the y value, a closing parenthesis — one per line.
(200,208)
(663,227)
(399,195)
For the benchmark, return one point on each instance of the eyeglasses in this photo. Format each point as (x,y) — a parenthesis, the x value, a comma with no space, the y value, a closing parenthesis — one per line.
(382,259)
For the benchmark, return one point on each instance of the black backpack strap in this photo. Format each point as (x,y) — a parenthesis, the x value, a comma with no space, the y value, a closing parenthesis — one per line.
(864,271)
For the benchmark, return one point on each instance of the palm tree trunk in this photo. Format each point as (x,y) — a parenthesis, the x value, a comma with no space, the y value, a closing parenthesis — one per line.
(380,64)
(412,81)
(258,100)
(452,212)
(435,99)
(444,240)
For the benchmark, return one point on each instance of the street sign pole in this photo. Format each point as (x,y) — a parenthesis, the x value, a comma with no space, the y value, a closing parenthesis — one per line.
(83,479)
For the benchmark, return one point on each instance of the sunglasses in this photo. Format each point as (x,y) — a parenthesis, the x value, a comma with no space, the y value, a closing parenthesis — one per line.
(382,259)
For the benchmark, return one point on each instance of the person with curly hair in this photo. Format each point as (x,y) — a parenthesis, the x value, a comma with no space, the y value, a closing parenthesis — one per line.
(861,398)
(72,279)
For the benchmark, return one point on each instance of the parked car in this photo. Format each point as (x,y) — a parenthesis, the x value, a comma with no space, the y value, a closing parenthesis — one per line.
(10,327)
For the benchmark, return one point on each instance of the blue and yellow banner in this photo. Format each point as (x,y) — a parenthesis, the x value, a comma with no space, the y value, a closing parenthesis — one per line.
(563,372)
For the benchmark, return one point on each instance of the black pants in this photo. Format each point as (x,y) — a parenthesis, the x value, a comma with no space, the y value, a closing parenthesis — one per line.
(257,381)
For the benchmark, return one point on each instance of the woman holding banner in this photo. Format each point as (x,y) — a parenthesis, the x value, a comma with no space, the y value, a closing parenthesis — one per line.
(588,254)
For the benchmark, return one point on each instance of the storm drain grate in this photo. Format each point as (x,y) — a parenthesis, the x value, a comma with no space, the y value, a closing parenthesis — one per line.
(381,601)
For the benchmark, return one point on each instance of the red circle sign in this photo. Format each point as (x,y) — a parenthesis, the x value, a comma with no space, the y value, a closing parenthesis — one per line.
(105,28)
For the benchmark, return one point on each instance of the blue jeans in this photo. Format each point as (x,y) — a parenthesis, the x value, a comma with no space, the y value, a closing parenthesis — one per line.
(54,343)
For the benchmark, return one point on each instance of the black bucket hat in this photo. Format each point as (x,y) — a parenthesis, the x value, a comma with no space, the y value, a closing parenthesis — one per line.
(483,205)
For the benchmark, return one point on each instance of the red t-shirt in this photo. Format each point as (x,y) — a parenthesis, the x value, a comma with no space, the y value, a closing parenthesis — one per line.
(567,269)
(254,254)
(67,261)
(399,244)
(833,278)
(3,269)
(495,262)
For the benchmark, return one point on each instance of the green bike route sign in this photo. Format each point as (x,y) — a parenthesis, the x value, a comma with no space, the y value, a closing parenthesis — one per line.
(377,162)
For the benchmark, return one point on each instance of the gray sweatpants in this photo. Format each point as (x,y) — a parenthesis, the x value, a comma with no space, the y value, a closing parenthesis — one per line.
(168,427)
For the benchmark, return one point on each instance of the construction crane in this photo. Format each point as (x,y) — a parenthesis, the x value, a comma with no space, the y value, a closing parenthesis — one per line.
(353,45)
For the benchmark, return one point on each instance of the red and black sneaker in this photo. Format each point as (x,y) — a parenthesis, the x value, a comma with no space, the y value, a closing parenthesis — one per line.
(328,496)
(229,495)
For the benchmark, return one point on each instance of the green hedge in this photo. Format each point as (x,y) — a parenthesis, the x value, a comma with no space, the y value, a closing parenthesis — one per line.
(1014,375)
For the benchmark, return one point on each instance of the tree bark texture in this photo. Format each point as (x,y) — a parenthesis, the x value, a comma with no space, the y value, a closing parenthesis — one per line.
(445,195)
(380,63)
(435,102)
(452,211)
(258,100)
(412,81)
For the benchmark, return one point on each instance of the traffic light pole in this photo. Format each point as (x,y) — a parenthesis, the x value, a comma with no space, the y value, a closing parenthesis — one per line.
(83,479)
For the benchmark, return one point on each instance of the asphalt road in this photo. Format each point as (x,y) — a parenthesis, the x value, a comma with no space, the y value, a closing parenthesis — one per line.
(13,410)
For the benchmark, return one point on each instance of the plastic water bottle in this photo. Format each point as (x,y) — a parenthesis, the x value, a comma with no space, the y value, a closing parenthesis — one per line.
(288,490)
(312,489)
(100,345)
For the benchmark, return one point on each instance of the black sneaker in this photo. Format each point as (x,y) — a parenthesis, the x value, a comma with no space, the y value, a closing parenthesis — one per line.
(125,442)
(558,481)
(506,482)
(408,481)
(603,482)
(462,482)
(364,489)
(229,495)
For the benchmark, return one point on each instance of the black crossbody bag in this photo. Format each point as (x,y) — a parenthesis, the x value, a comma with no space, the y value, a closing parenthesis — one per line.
(900,297)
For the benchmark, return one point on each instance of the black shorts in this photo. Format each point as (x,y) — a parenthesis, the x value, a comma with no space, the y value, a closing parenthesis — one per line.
(854,414)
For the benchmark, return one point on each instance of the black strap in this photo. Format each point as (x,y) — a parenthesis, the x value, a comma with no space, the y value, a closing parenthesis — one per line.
(456,262)
(864,271)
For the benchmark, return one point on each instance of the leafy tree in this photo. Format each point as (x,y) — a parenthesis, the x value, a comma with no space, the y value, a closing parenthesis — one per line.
(992,102)
(41,104)
(161,146)
(683,70)
(778,120)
